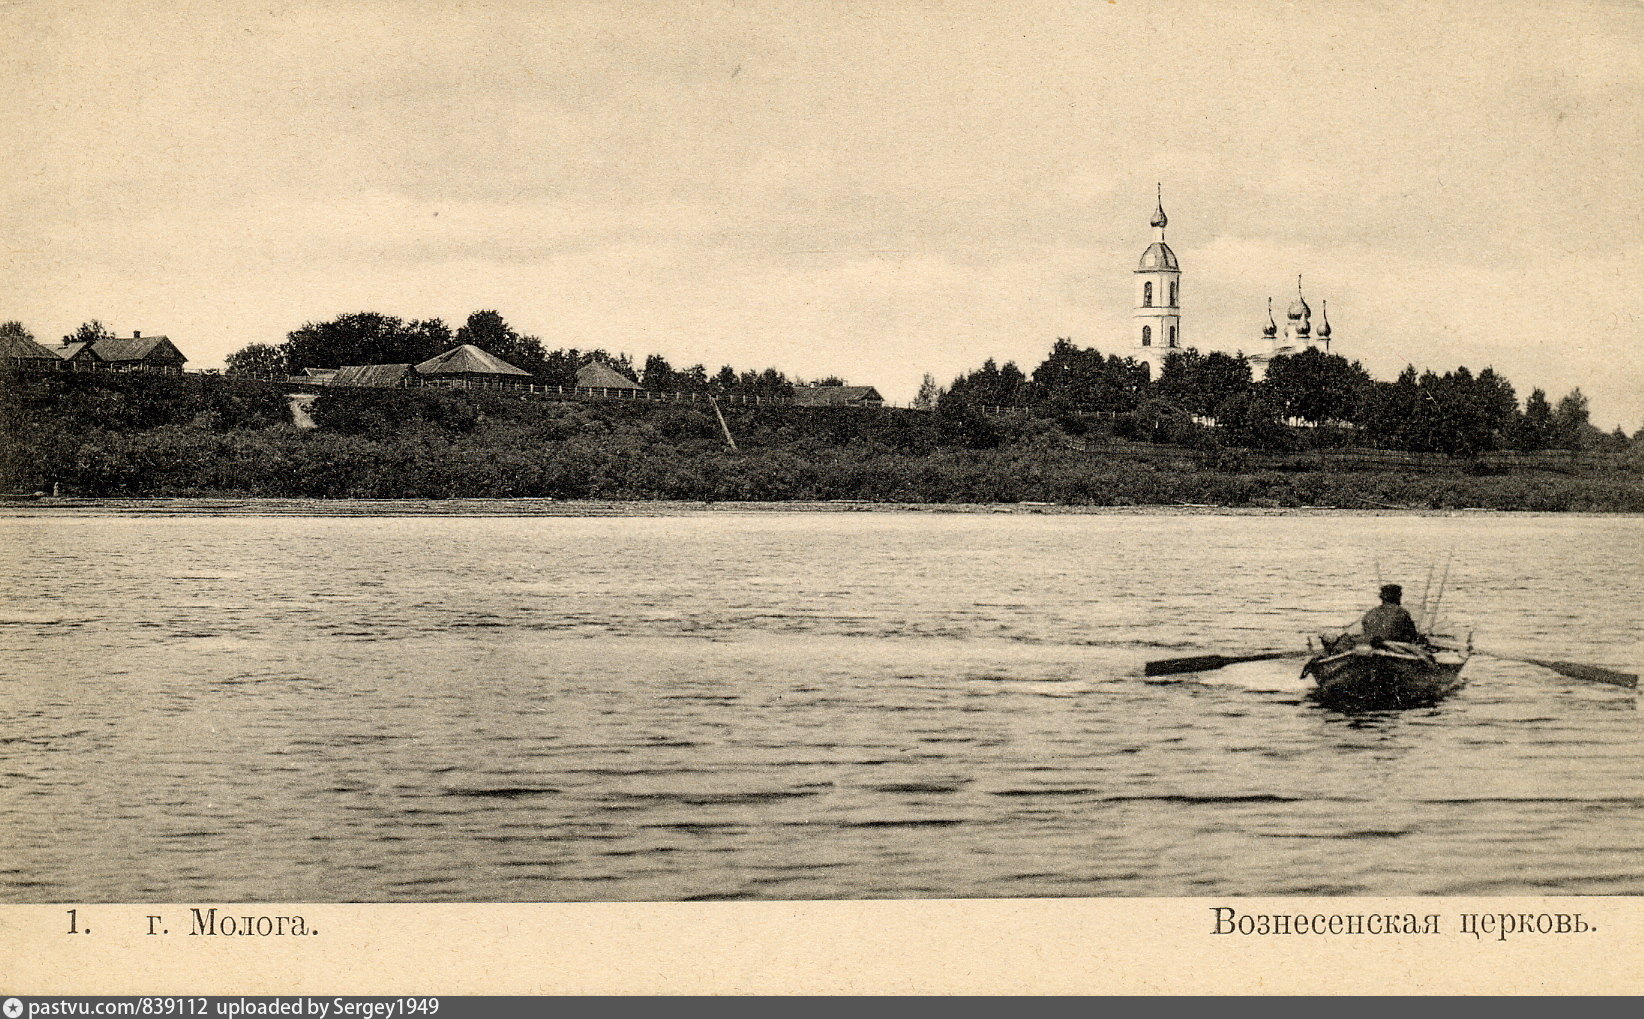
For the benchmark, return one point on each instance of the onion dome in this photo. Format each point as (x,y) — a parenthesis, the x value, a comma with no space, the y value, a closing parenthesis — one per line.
(1324,322)
(1299,311)
(1159,220)
(1272,328)
(1157,256)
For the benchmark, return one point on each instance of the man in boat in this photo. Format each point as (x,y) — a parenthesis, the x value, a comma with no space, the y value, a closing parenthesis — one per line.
(1389,620)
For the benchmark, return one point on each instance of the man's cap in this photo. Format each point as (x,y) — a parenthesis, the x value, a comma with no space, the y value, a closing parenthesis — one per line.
(1391,592)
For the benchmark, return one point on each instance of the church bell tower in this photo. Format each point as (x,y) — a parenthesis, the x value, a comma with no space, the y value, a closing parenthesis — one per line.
(1158,320)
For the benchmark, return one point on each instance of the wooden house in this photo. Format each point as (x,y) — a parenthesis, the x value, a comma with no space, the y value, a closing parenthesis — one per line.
(837,396)
(599,375)
(378,375)
(21,352)
(126,352)
(469,363)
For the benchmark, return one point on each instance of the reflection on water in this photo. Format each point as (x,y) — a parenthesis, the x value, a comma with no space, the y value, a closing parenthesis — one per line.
(794,706)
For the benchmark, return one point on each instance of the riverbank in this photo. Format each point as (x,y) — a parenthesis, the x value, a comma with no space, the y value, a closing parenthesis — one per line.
(275,507)
(122,441)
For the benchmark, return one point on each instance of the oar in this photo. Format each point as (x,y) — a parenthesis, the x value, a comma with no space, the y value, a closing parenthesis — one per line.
(1205,663)
(1575,670)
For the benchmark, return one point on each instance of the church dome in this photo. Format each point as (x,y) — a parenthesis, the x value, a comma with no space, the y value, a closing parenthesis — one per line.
(1157,256)
(1159,220)
(1298,308)
(1272,328)
(1324,322)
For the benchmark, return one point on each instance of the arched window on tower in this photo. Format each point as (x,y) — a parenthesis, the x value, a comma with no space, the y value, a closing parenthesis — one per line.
(1172,336)
(1147,294)
(1147,336)
(1173,285)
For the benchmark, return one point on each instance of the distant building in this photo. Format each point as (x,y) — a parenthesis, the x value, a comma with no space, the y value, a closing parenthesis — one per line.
(468,363)
(134,351)
(367,375)
(837,396)
(21,352)
(1299,334)
(599,375)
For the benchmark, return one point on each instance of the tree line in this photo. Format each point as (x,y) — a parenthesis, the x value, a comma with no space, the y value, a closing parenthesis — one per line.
(1456,412)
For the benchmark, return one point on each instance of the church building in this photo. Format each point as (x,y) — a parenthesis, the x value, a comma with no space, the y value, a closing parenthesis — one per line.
(1158,316)
(1299,334)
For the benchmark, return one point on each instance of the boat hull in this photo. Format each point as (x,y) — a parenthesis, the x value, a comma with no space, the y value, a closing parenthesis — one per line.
(1386,676)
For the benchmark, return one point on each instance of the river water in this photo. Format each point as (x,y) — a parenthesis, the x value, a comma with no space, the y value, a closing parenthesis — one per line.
(796,706)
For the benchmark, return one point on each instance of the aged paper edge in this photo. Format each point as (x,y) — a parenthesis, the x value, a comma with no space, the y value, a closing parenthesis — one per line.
(1000,946)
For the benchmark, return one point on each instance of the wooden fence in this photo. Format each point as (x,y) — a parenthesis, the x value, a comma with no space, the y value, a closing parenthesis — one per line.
(43,364)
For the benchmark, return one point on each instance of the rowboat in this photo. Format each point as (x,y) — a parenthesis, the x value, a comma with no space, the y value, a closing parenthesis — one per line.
(1384,675)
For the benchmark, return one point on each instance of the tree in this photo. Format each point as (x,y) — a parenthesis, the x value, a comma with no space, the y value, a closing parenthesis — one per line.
(1012,385)
(1251,419)
(1318,387)
(694,379)
(1498,405)
(559,368)
(489,332)
(1570,424)
(89,332)
(364,338)
(257,359)
(15,330)
(1081,379)
(659,376)
(773,383)
(1615,442)
(1199,383)
(1389,417)
(929,393)
(429,334)
(1534,428)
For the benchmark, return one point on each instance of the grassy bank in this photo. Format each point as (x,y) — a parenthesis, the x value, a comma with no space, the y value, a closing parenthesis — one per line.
(108,435)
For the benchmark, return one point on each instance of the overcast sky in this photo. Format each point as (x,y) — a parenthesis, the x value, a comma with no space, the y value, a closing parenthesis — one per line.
(872,189)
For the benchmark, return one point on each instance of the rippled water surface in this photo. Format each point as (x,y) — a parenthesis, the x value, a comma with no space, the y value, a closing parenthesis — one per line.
(786,705)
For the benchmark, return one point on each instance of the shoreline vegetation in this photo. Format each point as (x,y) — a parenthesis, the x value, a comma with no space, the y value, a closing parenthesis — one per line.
(130,442)
(226,506)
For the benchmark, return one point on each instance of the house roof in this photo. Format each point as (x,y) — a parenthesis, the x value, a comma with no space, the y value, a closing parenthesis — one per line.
(835,396)
(69,351)
(320,373)
(20,347)
(599,375)
(370,375)
(467,360)
(125,348)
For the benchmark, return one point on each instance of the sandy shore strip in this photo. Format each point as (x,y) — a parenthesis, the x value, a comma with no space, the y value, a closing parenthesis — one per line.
(275,507)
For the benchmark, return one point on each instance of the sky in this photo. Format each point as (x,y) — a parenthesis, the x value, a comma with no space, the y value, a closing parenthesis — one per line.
(874,189)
